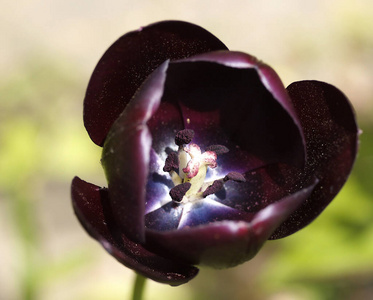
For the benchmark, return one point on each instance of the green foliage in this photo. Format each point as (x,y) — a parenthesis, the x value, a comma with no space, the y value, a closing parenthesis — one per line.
(41,141)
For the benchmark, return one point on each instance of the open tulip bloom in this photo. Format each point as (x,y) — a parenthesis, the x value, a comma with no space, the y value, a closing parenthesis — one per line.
(206,154)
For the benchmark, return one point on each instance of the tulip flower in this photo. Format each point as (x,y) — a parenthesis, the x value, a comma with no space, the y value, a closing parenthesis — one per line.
(206,154)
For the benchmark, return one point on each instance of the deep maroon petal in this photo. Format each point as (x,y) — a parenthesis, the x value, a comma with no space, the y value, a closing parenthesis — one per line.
(331,134)
(126,156)
(219,245)
(259,190)
(235,107)
(90,206)
(127,63)
(227,243)
(268,78)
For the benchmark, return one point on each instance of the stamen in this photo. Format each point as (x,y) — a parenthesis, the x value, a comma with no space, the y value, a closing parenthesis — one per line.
(235,176)
(192,166)
(184,137)
(218,149)
(177,193)
(216,186)
(172,162)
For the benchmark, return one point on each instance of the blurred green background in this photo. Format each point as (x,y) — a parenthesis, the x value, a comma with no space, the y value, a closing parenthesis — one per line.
(49,49)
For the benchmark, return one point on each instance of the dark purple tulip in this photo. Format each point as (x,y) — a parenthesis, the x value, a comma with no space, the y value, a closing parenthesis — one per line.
(206,154)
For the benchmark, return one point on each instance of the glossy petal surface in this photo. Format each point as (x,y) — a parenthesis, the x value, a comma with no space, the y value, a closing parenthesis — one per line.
(126,157)
(90,204)
(128,62)
(331,133)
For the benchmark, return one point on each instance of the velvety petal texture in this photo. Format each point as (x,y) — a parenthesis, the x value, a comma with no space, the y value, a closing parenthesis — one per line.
(331,133)
(127,63)
(259,161)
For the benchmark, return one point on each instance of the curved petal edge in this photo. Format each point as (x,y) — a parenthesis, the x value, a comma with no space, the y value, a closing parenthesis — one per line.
(128,62)
(225,244)
(331,133)
(90,206)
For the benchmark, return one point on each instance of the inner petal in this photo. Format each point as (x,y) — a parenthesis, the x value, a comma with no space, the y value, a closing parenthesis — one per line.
(207,211)
(164,218)
(232,107)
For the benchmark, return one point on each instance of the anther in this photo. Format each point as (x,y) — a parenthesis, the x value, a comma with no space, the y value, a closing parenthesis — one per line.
(218,149)
(184,137)
(178,192)
(172,162)
(216,186)
(235,176)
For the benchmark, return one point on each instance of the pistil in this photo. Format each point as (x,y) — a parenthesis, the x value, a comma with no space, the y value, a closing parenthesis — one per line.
(188,168)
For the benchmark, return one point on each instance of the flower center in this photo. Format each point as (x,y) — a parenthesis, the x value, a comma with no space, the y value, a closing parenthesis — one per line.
(188,168)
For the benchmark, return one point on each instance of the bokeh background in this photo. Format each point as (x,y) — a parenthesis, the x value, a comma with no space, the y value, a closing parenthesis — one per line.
(48,51)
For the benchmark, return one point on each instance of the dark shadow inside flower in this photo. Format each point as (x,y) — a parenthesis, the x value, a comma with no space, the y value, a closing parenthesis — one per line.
(221,195)
(162,179)
(232,107)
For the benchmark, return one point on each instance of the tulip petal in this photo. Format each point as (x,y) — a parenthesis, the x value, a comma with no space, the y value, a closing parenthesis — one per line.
(226,243)
(126,156)
(219,245)
(234,107)
(240,60)
(331,134)
(166,217)
(90,205)
(127,63)
(258,191)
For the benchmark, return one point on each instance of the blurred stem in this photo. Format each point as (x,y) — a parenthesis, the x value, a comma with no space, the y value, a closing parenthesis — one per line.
(138,289)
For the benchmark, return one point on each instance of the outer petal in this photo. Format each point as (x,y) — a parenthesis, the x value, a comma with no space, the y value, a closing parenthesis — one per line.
(227,243)
(127,63)
(331,133)
(90,206)
(126,156)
